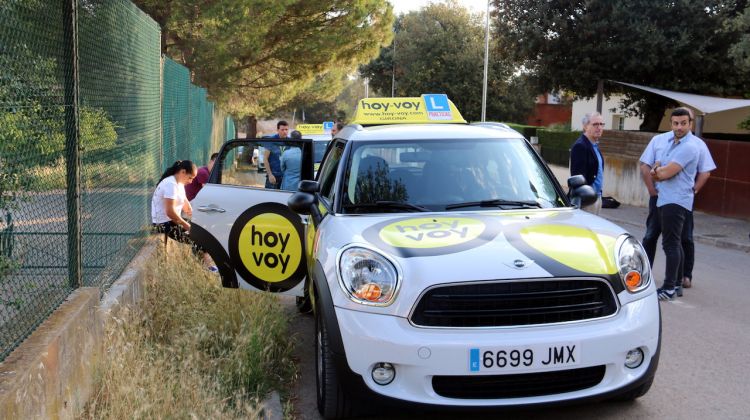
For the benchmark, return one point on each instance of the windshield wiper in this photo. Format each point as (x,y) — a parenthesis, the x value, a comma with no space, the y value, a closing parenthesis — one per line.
(495,203)
(389,204)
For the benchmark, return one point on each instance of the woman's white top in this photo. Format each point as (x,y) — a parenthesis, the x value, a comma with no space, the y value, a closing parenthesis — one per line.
(167,188)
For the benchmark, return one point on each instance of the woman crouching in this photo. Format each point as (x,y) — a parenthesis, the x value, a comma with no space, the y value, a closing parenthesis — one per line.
(169,203)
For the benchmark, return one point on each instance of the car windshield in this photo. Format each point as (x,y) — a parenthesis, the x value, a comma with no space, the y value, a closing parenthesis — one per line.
(446,175)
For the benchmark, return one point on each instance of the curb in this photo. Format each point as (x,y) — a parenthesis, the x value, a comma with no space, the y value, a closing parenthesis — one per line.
(706,240)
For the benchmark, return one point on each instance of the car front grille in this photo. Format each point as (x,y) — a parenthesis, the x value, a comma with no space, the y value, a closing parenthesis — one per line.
(517,385)
(514,303)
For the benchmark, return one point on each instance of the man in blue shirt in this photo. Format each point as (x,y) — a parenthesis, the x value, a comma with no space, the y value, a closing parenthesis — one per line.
(587,160)
(653,228)
(674,172)
(271,156)
(291,164)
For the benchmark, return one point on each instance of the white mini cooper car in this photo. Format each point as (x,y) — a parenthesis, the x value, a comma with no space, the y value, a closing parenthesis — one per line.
(445,267)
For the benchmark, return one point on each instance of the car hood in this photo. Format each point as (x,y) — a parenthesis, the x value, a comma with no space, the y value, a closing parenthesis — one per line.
(439,248)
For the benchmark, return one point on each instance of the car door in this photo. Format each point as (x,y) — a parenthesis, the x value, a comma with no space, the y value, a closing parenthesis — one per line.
(256,241)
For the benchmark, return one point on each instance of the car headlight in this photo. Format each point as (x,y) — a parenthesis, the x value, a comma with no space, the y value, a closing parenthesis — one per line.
(632,263)
(367,277)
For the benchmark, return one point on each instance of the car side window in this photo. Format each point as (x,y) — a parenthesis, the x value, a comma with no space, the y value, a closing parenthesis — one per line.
(239,165)
(327,177)
(243,163)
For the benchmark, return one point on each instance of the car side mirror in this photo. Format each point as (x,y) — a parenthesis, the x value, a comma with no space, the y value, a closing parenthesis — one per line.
(309,186)
(305,203)
(576,181)
(583,195)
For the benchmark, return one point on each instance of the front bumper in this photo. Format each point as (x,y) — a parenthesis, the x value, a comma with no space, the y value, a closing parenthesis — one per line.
(418,354)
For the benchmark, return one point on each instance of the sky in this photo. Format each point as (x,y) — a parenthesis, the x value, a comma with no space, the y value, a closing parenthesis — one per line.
(402,6)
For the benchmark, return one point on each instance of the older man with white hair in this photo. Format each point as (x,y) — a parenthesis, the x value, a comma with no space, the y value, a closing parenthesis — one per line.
(586,159)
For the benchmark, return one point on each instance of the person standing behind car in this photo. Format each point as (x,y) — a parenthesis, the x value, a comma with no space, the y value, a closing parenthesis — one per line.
(587,160)
(291,164)
(271,156)
(674,172)
(653,227)
(336,128)
(192,189)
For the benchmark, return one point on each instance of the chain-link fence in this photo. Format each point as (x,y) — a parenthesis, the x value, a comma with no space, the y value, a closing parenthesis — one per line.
(84,135)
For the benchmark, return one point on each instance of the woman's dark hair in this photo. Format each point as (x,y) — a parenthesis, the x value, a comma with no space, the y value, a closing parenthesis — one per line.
(187,165)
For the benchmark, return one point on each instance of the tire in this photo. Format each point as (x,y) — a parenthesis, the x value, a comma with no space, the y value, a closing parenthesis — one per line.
(635,393)
(332,400)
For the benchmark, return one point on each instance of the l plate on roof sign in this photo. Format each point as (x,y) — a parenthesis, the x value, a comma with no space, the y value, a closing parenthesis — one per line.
(437,107)
(327,126)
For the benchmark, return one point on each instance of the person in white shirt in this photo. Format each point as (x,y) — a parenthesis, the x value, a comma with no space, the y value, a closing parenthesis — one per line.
(169,204)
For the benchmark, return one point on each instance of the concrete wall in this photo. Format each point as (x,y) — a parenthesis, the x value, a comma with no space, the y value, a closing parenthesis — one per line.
(50,375)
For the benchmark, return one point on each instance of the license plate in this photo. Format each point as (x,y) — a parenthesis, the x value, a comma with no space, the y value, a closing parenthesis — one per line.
(508,359)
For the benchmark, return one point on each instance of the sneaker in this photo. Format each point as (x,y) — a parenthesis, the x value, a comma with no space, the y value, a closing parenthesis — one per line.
(687,282)
(678,291)
(664,294)
(214,269)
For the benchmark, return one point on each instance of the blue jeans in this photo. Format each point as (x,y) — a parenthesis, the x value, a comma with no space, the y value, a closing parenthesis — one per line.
(672,218)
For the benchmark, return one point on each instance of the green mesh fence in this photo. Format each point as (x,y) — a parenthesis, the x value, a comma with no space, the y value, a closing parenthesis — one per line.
(75,216)
(193,127)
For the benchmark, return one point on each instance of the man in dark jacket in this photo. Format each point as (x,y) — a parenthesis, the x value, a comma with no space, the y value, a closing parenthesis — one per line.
(587,160)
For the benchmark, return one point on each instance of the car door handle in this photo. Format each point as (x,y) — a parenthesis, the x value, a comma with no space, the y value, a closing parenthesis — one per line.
(211,209)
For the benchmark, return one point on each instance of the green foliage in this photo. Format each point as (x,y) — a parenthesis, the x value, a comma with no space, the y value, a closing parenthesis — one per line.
(670,45)
(528,131)
(440,49)
(254,56)
(558,139)
(740,51)
(556,145)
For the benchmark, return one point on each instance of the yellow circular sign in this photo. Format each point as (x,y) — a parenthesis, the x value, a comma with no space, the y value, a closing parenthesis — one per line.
(270,247)
(431,232)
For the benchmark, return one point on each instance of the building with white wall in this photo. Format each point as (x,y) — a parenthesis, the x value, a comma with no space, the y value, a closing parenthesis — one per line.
(613,116)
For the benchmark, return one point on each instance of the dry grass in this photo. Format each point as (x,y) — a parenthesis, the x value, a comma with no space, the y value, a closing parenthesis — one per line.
(193,349)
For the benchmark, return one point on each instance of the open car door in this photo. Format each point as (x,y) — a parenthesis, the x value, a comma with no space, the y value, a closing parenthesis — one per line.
(254,239)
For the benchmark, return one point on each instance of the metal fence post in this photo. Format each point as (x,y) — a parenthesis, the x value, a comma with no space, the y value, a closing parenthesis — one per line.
(72,143)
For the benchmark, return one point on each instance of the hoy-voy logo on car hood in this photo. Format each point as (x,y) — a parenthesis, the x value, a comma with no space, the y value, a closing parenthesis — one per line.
(426,236)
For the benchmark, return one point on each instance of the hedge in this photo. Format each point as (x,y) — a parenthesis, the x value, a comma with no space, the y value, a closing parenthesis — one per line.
(528,131)
(556,145)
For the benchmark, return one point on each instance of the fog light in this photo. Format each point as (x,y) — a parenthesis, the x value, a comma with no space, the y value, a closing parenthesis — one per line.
(383,373)
(634,358)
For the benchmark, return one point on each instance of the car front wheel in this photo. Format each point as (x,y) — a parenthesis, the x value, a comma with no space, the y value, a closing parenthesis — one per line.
(332,400)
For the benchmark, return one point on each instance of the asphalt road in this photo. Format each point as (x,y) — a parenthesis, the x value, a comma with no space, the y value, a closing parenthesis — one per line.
(704,371)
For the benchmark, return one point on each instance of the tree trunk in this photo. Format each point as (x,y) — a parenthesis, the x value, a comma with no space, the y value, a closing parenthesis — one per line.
(653,112)
(252,127)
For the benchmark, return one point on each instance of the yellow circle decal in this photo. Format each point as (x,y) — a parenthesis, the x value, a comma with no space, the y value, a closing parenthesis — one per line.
(270,247)
(431,232)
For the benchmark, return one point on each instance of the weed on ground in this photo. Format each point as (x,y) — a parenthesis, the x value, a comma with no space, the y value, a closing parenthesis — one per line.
(192,349)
